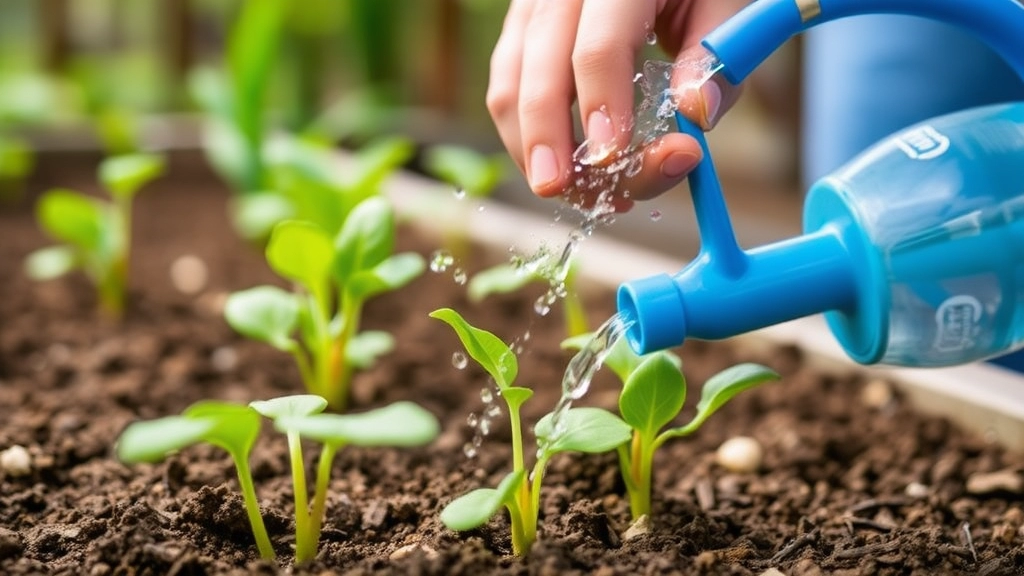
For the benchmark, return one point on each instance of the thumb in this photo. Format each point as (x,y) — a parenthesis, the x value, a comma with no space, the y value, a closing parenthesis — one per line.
(702,95)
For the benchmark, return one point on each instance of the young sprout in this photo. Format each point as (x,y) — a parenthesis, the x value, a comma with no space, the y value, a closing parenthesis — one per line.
(319,323)
(95,234)
(511,276)
(235,428)
(588,430)
(653,394)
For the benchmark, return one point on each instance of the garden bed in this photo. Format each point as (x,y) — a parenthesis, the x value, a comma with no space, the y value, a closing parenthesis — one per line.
(854,479)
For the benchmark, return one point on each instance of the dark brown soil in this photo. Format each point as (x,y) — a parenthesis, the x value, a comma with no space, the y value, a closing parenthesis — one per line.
(832,495)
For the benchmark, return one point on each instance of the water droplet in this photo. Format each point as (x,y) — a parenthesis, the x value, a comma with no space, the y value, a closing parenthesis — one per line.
(472,420)
(638,77)
(541,306)
(459,193)
(477,440)
(493,411)
(655,215)
(459,360)
(486,395)
(651,38)
(526,336)
(441,260)
(469,450)
(460,276)
(480,208)
(485,426)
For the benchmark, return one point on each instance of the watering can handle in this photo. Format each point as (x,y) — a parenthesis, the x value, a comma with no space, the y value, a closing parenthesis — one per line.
(741,43)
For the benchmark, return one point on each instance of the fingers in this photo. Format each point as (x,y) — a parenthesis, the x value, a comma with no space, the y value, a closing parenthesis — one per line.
(503,84)
(546,94)
(611,33)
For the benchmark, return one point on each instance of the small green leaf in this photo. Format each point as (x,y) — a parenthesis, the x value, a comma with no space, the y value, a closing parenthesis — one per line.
(500,279)
(377,160)
(402,424)
(389,275)
(301,252)
(474,172)
(73,218)
(653,395)
(723,387)
(51,262)
(264,313)
(487,349)
(152,440)
(236,428)
(515,396)
(590,430)
(290,406)
(125,175)
(367,237)
(475,508)
(366,347)
(255,215)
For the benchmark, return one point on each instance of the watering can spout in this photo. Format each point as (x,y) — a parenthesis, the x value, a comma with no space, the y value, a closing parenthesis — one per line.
(783,281)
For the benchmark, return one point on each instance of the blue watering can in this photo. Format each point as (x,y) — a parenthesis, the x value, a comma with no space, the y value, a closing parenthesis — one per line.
(914,250)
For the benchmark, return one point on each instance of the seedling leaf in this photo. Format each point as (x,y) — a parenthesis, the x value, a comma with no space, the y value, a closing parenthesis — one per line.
(265,313)
(152,440)
(364,348)
(515,396)
(475,508)
(402,424)
(73,218)
(391,274)
(487,349)
(290,406)
(366,238)
(476,173)
(301,252)
(255,215)
(590,430)
(500,279)
(722,387)
(236,427)
(125,175)
(50,262)
(653,395)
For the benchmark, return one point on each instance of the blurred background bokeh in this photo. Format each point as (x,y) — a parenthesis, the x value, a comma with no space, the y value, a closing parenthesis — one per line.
(126,74)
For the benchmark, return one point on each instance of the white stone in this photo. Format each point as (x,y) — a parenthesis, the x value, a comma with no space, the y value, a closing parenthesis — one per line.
(741,454)
(189,274)
(877,394)
(410,549)
(916,490)
(16,461)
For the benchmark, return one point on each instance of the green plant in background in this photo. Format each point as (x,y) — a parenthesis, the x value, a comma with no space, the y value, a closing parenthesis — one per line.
(511,276)
(588,430)
(95,233)
(235,428)
(310,183)
(653,394)
(319,323)
(16,163)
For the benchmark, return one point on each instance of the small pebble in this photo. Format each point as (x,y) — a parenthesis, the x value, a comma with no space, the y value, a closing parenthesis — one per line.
(410,549)
(877,394)
(189,274)
(916,490)
(999,481)
(16,461)
(224,359)
(741,454)
(772,572)
(638,528)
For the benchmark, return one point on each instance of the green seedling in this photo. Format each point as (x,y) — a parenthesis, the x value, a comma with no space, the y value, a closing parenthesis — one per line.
(95,233)
(512,276)
(307,183)
(653,394)
(588,430)
(235,428)
(318,324)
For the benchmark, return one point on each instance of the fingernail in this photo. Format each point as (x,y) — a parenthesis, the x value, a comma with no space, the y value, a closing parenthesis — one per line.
(712,96)
(677,164)
(543,166)
(600,135)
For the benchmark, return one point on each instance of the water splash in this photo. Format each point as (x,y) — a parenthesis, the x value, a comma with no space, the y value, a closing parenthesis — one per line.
(441,260)
(459,360)
(582,368)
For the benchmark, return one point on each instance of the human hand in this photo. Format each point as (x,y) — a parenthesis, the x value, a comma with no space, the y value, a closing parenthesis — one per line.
(552,52)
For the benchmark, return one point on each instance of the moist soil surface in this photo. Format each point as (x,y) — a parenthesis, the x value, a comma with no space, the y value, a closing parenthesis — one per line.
(853,480)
